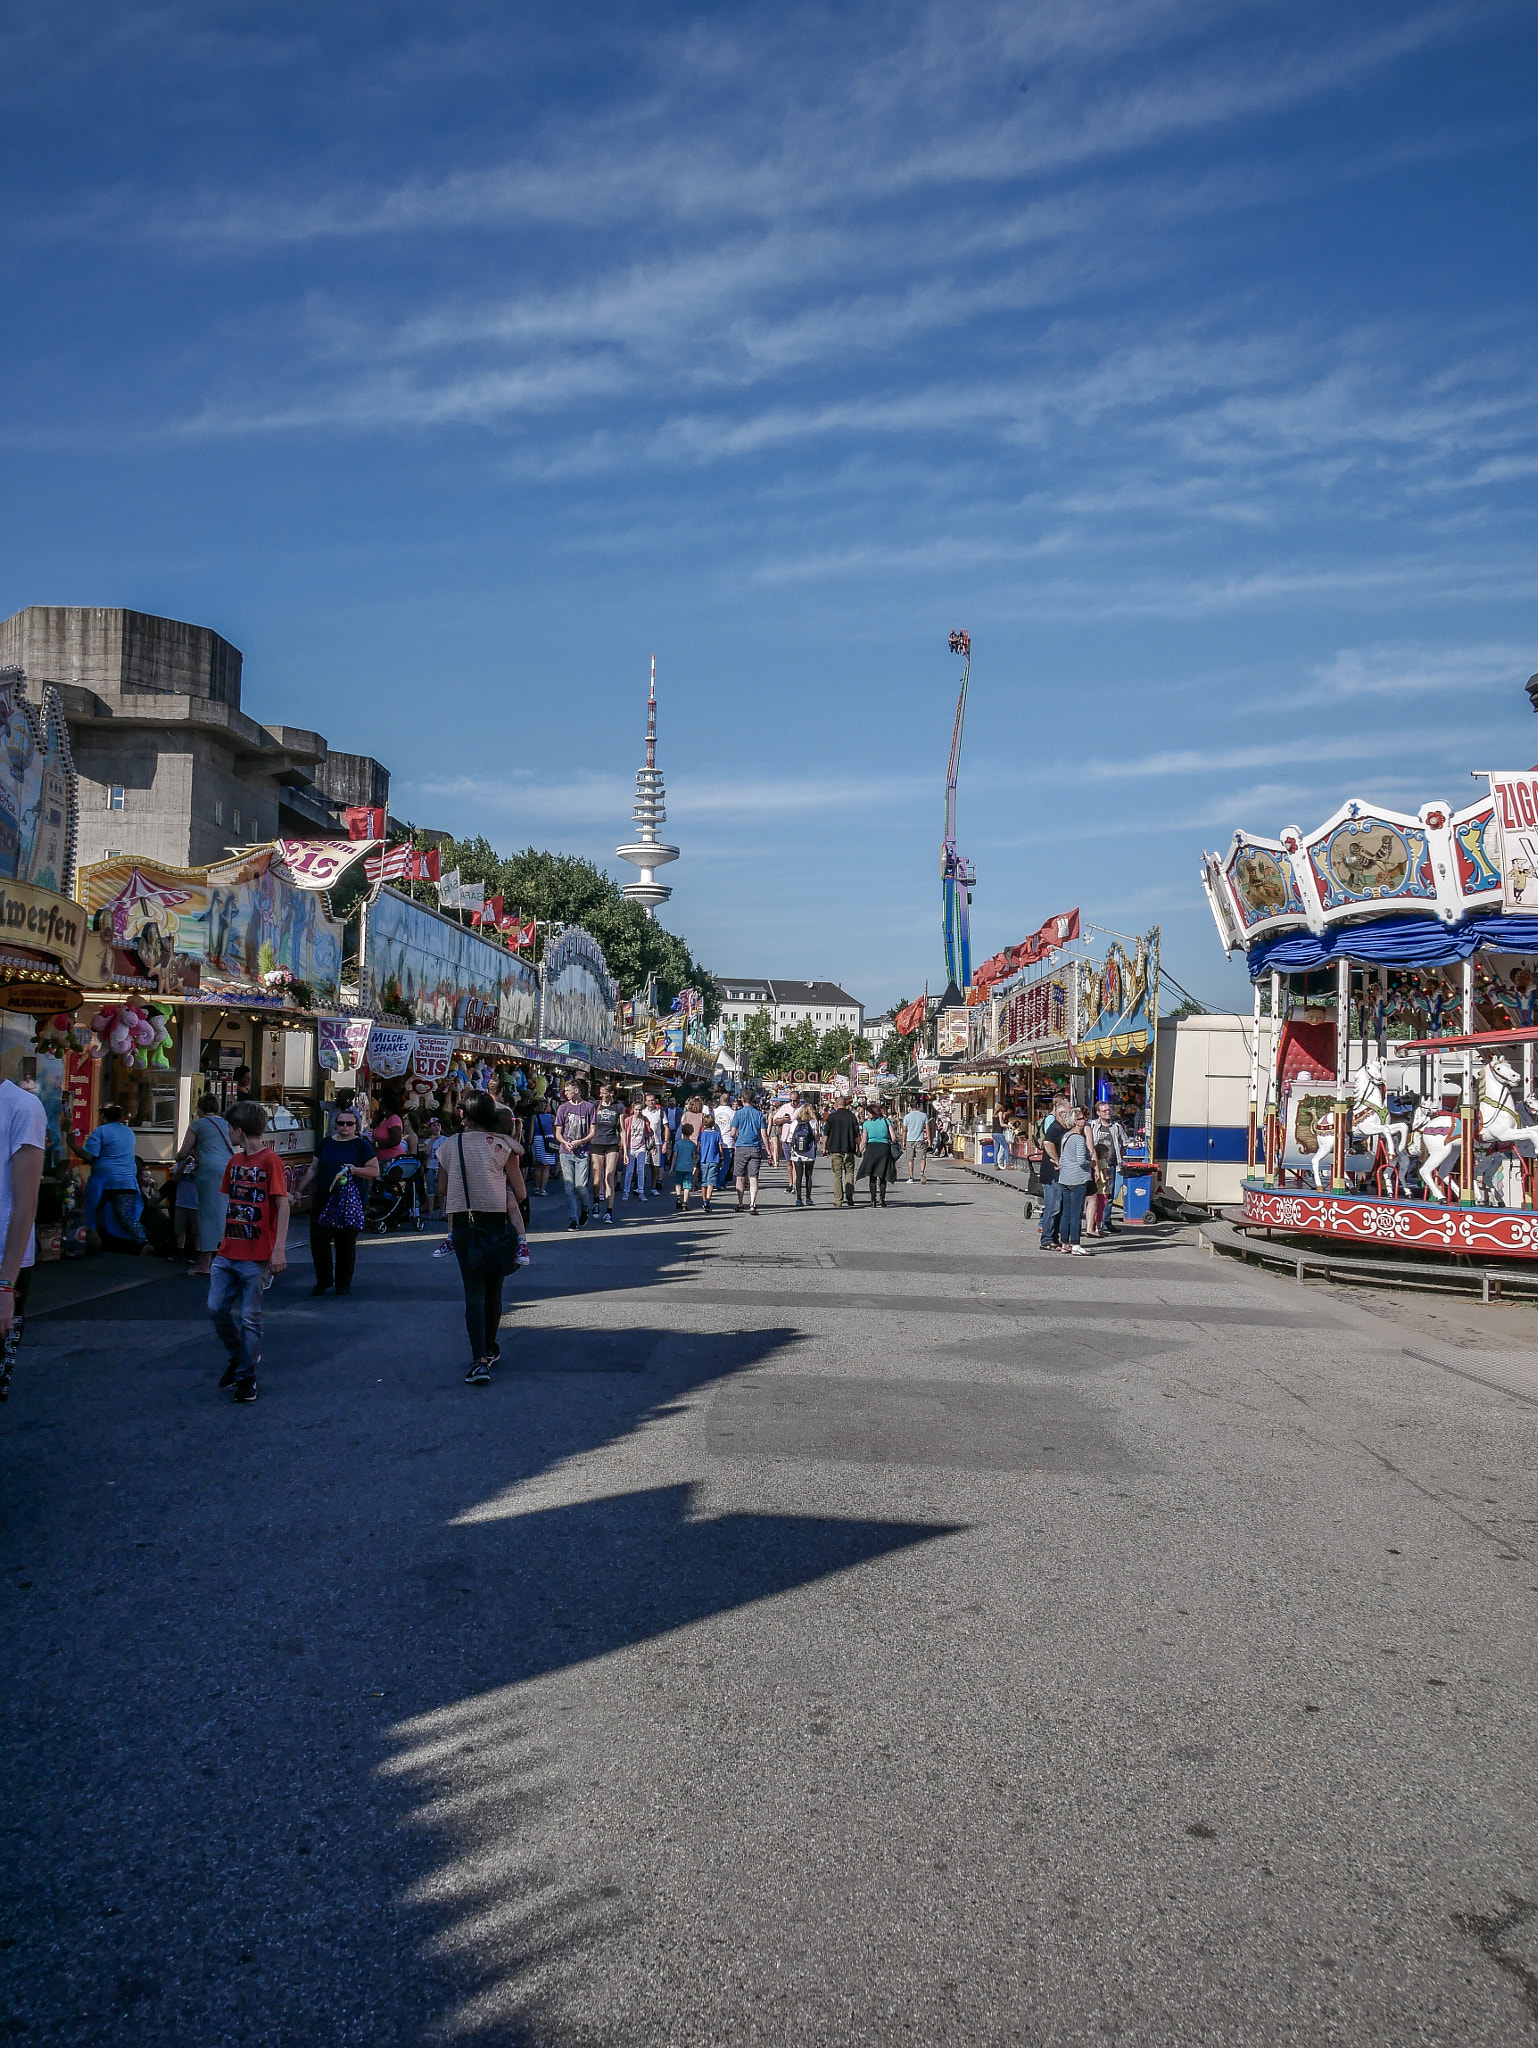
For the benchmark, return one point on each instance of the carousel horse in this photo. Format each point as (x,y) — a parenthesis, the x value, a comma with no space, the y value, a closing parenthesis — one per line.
(1502,1133)
(1435,1137)
(1506,1136)
(1368,1124)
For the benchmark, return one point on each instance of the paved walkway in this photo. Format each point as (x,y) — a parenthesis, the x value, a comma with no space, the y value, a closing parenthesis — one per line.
(832,1627)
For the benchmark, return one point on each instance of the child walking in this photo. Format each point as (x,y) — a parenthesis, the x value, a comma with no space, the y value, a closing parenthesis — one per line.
(709,1141)
(686,1159)
(253,1248)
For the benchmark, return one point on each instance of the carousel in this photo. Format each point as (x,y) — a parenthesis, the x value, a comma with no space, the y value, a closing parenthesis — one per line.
(1395,967)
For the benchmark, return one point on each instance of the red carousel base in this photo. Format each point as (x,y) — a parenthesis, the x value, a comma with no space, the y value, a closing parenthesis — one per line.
(1383,1220)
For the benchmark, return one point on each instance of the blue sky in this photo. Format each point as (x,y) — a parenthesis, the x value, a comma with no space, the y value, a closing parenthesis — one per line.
(454,361)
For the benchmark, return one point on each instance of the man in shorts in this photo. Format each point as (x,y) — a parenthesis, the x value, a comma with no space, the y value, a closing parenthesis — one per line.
(748,1131)
(916,1143)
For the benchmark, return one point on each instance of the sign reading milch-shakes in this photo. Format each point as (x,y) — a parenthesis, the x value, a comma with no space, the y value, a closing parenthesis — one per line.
(37,829)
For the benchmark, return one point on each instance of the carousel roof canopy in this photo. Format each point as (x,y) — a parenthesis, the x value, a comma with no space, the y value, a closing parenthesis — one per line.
(1384,886)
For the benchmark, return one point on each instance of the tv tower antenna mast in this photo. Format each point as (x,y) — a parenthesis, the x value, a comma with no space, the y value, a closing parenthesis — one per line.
(958,876)
(647,852)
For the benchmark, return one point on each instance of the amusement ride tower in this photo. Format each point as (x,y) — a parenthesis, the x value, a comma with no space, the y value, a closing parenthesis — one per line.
(958,877)
(647,852)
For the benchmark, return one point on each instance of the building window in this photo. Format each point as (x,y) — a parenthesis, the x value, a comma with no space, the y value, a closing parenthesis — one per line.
(235,819)
(112,852)
(115,797)
(218,810)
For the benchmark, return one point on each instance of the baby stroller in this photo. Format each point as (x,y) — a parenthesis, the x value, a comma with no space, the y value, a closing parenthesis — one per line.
(397,1200)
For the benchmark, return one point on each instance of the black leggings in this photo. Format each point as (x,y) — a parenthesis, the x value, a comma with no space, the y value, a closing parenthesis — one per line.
(483,1261)
(804,1178)
(322,1238)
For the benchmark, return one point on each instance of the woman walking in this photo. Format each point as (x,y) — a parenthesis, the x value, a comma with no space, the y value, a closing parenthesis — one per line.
(803,1155)
(482,1191)
(607,1151)
(876,1159)
(336,1204)
(1076,1176)
(542,1148)
(210,1141)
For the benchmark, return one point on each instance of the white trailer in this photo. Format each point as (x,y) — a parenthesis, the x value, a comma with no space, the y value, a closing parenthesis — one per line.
(1202,1104)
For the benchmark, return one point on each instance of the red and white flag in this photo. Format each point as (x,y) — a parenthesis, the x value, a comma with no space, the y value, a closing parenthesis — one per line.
(519,932)
(426,867)
(393,865)
(365,822)
(489,913)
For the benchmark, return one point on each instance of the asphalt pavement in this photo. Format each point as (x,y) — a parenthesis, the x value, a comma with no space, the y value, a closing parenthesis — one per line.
(830,1627)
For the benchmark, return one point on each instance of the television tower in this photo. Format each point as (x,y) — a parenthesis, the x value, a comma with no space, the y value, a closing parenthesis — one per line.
(647,852)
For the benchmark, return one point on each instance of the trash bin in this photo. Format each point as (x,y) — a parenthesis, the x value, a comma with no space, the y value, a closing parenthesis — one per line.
(1136,1192)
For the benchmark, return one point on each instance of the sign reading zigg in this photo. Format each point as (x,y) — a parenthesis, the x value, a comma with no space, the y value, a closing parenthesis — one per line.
(43,922)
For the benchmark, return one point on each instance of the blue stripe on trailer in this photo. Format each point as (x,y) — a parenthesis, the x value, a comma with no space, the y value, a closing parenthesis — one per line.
(1218,1144)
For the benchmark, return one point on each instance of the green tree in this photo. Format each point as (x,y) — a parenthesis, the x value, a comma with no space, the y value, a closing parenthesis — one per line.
(797,1050)
(756,1041)
(836,1046)
(569,890)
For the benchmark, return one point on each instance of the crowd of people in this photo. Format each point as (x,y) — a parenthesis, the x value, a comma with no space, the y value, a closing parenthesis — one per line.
(476,1158)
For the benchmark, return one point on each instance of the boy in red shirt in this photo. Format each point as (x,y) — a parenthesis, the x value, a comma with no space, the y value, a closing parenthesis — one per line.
(255,1237)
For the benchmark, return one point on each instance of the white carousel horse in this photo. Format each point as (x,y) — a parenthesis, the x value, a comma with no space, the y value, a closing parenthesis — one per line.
(1501,1130)
(1506,1132)
(1368,1120)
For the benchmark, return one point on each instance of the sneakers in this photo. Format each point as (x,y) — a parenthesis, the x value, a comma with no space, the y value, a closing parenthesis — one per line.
(326,1289)
(1078,1251)
(799,1203)
(608,1215)
(245,1390)
(523,1251)
(444,1250)
(573,1224)
(227,1377)
(479,1374)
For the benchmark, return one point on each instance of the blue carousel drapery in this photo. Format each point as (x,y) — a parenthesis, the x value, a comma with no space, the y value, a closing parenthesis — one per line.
(1393,942)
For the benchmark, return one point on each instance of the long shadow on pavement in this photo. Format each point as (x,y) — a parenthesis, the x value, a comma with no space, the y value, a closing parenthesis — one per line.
(223,1624)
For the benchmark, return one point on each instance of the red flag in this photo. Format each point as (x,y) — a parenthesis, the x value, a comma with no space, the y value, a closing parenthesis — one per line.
(365,823)
(491,914)
(908,1020)
(426,867)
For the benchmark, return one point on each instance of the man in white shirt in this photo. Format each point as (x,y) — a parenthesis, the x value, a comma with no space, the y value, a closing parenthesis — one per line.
(784,1118)
(23,1135)
(725,1120)
(916,1138)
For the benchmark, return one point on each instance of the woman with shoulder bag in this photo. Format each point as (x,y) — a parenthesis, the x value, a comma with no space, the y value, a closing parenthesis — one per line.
(209,1143)
(336,1205)
(483,1188)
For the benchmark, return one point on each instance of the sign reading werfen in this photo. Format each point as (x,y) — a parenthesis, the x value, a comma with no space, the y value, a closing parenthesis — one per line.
(42,922)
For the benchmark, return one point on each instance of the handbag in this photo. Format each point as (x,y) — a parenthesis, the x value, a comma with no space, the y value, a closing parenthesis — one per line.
(344,1204)
(493,1241)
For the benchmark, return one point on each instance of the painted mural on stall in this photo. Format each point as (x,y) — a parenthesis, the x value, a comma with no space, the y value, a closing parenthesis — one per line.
(580,999)
(37,789)
(420,964)
(240,921)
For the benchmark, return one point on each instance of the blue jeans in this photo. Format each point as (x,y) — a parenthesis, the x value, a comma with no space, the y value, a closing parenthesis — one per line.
(1051,1211)
(724,1170)
(635,1176)
(1074,1193)
(577,1172)
(235,1289)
